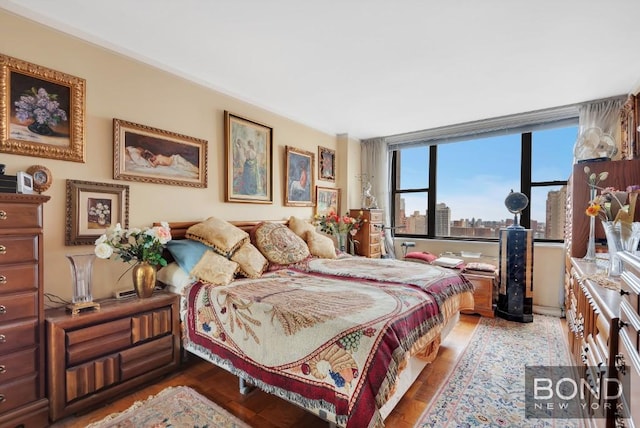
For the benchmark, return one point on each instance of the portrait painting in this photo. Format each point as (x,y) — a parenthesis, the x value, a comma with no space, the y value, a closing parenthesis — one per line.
(326,164)
(299,182)
(248,147)
(143,153)
(327,201)
(92,208)
(43,112)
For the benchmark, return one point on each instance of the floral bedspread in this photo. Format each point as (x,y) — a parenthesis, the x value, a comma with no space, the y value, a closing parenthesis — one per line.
(332,345)
(439,282)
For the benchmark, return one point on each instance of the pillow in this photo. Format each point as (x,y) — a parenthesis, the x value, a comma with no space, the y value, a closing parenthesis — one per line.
(218,234)
(300,227)
(174,277)
(252,262)
(198,260)
(320,245)
(479,266)
(448,262)
(279,244)
(424,256)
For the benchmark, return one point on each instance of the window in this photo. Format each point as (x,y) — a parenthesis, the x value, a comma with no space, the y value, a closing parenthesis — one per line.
(465,182)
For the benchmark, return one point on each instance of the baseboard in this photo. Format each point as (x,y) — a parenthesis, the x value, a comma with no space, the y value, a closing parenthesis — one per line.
(547,310)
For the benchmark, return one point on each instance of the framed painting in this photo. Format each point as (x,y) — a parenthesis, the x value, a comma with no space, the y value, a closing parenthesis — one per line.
(299,183)
(327,201)
(42,111)
(249,157)
(92,208)
(326,164)
(150,155)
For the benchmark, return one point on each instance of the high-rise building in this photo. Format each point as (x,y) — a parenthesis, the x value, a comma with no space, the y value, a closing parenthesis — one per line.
(555,213)
(443,220)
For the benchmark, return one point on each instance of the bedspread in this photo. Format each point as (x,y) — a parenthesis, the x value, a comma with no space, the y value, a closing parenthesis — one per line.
(441,283)
(327,344)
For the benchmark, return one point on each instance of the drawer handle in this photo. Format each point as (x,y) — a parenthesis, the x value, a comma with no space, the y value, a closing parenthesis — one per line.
(3,369)
(623,292)
(620,364)
(3,279)
(3,215)
(3,309)
(2,398)
(3,249)
(622,324)
(3,338)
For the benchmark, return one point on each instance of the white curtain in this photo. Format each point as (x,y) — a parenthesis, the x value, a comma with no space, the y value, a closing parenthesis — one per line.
(594,120)
(375,168)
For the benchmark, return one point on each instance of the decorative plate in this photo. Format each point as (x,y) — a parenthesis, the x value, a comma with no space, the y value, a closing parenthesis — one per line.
(42,177)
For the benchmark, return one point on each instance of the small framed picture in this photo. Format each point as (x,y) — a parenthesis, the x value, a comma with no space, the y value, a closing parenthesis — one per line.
(24,183)
(299,182)
(92,208)
(326,164)
(327,201)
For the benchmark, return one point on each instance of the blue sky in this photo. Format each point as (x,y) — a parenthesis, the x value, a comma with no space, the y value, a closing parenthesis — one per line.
(483,172)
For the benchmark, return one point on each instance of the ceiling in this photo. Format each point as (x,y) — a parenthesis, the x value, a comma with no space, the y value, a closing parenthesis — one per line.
(373,67)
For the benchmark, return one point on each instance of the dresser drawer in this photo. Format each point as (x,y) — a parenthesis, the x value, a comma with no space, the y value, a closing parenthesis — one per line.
(18,392)
(376,216)
(629,357)
(19,216)
(98,340)
(146,357)
(20,277)
(18,364)
(18,249)
(16,306)
(630,323)
(630,288)
(14,336)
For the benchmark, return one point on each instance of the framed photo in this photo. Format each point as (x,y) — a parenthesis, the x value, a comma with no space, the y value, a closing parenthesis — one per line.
(92,208)
(249,154)
(299,183)
(327,201)
(326,164)
(55,132)
(150,155)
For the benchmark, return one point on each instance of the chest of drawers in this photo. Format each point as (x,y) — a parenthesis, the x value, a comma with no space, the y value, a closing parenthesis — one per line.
(22,345)
(369,236)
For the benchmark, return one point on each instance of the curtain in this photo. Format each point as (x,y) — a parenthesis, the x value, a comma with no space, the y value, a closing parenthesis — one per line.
(375,169)
(596,121)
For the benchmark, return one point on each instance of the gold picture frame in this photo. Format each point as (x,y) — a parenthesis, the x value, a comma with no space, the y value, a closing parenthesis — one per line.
(151,155)
(326,164)
(299,181)
(56,131)
(93,207)
(249,160)
(327,201)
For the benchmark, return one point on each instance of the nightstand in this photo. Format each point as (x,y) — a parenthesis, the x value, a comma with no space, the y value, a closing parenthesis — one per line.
(97,355)
(484,285)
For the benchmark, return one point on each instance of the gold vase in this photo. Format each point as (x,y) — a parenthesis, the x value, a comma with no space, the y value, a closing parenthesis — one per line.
(144,279)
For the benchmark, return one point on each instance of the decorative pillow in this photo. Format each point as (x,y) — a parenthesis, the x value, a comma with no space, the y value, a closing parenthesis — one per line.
(252,262)
(176,278)
(279,244)
(320,245)
(483,267)
(198,260)
(300,227)
(218,234)
(448,262)
(424,256)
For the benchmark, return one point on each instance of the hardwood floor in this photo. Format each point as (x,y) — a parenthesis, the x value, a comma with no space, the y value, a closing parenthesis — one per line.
(262,410)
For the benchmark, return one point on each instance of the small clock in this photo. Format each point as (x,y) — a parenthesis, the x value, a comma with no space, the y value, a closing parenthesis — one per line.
(42,177)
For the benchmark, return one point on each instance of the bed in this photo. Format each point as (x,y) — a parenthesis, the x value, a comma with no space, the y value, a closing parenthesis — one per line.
(342,337)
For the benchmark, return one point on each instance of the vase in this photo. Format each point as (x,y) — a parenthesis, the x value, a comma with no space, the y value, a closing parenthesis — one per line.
(591,243)
(81,269)
(144,279)
(621,236)
(40,128)
(341,240)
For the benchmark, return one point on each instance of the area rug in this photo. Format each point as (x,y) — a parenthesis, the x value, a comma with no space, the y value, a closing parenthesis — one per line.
(176,407)
(487,385)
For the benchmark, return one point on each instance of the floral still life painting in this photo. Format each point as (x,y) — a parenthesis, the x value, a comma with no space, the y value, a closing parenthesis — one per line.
(99,215)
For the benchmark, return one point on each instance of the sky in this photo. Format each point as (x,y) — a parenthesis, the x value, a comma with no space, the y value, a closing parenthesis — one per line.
(480,174)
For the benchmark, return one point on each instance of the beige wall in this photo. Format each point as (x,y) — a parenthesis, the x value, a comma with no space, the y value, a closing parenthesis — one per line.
(118,87)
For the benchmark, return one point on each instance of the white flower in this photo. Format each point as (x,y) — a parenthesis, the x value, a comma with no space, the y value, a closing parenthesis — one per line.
(103,250)
(101,240)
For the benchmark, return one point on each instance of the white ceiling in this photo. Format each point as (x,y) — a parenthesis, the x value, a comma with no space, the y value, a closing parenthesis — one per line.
(373,67)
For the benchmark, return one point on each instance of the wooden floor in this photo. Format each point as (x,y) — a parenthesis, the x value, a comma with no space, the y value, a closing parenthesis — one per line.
(262,410)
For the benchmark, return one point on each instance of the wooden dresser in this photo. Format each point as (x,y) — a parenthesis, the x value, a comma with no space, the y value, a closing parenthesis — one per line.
(369,236)
(97,355)
(23,400)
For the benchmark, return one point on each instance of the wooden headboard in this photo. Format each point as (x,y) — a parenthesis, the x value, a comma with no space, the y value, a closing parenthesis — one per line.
(179,228)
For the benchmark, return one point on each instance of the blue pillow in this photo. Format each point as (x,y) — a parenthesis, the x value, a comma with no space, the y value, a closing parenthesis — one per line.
(186,252)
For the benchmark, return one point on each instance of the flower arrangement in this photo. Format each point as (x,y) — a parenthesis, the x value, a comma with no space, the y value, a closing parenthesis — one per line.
(144,245)
(607,205)
(334,224)
(40,106)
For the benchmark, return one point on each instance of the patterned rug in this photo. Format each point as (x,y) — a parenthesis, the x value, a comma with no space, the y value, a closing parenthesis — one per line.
(178,406)
(487,386)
